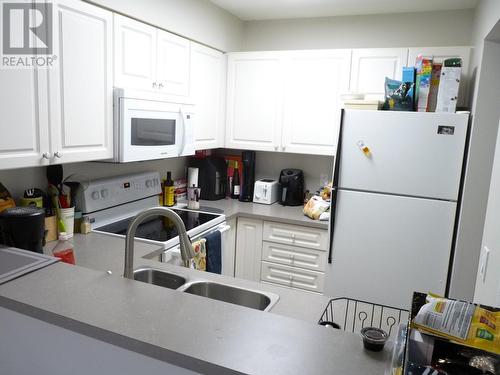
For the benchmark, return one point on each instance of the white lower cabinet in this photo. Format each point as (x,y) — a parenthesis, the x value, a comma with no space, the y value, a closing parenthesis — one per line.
(266,252)
(293,277)
(248,249)
(229,246)
(294,256)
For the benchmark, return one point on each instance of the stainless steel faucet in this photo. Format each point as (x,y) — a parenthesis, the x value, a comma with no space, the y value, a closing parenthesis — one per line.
(187,252)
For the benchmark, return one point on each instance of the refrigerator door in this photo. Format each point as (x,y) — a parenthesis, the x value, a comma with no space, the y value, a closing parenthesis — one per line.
(410,153)
(386,246)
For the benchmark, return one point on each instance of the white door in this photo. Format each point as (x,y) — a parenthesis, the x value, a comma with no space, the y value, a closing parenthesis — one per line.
(208,87)
(172,63)
(314,81)
(24,133)
(385,247)
(412,153)
(81,91)
(134,54)
(370,67)
(438,54)
(254,101)
(248,249)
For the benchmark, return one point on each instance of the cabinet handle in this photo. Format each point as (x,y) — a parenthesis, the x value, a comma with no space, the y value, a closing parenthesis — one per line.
(57,154)
(291,278)
(154,85)
(46,155)
(275,148)
(283,148)
(292,257)
(160,85)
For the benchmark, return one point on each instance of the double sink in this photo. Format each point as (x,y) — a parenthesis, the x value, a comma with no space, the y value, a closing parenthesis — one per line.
(254,299)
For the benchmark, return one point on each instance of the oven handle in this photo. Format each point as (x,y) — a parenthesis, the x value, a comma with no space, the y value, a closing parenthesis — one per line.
(222,228)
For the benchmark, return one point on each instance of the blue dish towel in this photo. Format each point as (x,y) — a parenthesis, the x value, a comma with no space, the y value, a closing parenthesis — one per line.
(214,252)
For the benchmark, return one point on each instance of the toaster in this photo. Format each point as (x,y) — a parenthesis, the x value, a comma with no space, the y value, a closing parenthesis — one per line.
(266,191)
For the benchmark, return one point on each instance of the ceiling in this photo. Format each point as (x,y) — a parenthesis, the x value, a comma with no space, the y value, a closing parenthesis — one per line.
(277,9)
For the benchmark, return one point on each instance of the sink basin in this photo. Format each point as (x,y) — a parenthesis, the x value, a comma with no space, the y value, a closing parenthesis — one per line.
(226,293)
(160,278)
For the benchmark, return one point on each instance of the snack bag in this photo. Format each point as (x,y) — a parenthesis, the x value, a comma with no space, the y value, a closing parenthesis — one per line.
(463,322)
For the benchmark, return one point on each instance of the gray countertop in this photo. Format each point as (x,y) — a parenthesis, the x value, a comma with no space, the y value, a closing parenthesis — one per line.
(272,212)
(193,332)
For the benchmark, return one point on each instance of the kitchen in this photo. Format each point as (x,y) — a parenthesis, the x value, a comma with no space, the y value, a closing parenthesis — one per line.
(254,79)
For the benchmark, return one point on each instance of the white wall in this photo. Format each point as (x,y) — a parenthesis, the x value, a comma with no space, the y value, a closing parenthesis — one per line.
(488,285)
(485,112)
(444,28)
(17,180)
(199,20)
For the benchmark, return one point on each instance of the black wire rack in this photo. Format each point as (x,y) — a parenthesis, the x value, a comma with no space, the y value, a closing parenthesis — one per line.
(352,315)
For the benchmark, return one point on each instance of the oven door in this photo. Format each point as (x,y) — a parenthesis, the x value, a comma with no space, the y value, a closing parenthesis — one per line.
(150,130)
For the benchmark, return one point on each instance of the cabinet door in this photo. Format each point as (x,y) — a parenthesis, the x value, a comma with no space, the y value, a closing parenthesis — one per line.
(314,81)
(254,101)
(172,63)
(248,249)
(296,235)
(24,129)
(438,54)
(293,277)
(81,92)
(134,53)
(371,66)
(208,82)
(229,249)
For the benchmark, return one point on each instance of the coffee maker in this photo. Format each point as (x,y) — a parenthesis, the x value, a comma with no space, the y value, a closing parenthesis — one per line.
(23,227)
(291,182)
(248,175)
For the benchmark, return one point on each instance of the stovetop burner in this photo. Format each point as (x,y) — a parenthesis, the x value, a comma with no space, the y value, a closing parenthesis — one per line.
(160,229)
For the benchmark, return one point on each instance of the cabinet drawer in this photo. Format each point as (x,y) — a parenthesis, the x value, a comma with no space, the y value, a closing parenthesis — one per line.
(294,256)
(296,235)
(292,277)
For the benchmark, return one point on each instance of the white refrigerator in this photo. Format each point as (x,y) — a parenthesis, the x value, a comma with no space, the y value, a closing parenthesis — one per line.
(397,178)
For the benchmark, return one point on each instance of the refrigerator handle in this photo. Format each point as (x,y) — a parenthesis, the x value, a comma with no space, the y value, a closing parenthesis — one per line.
(335,186)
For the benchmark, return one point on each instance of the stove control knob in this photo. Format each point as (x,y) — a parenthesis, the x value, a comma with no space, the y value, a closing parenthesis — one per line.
(149,183)
(95,195)
(104,193)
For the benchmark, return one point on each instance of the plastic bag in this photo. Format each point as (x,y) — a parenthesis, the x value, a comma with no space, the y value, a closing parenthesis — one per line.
(398,95)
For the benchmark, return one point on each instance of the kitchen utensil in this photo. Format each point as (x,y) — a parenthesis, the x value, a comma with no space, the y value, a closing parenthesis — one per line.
(248,175)
(292,187)
(266,191)
(54,195)
(210,175)
(23,227)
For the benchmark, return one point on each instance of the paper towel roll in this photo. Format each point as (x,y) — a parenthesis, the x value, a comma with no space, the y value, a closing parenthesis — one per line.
(192,177)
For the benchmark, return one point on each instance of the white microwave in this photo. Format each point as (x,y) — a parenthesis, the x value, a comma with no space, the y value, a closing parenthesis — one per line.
(150,126)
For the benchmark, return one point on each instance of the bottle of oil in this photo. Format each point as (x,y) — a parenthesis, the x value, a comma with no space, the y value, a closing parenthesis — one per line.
(168,191)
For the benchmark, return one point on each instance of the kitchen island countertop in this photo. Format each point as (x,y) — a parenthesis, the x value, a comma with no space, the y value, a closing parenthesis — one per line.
(88,300)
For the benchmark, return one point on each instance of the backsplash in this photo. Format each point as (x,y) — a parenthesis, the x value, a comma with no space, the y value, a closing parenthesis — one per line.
(16,180)
(269,164)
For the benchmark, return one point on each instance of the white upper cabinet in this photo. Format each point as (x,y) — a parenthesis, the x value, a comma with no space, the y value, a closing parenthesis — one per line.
(148,58)
(254,101)
(135,53)
(438,54)
(314,81)
(207,89)
(24,136)
(172,63)
(370,67)
(81,91)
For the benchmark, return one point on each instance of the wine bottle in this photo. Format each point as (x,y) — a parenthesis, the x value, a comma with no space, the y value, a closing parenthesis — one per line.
(235,189)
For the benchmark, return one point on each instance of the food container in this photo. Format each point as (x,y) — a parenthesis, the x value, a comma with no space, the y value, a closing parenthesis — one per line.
(374,339)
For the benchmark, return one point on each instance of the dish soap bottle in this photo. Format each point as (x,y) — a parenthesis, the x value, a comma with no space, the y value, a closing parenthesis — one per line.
(64,249)
(168,191)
